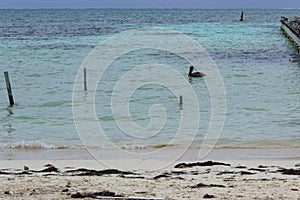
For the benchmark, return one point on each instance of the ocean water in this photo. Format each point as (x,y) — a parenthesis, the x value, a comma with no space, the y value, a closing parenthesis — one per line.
(43,50)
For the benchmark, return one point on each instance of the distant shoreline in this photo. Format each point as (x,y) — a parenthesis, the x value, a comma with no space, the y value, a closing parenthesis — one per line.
(149,8)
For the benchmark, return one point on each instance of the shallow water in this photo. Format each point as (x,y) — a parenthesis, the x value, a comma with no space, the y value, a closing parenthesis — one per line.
(43,50)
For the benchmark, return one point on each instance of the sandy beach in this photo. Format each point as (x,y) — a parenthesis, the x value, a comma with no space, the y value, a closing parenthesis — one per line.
(171,101)
(225,174)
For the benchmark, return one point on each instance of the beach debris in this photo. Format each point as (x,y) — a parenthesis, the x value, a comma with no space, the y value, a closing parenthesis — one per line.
(202,185)
(26,168)
(226,172)
(289,171)
(15,173)
(174,173)
(164,175)
(258,170)
(200,164)
(208,196)
(4,173)
(77,172)
(294,189)
(48,165)
(6,192)
(68,184)
(181,172)
(131,198)
(263,179)
(49,169)
(24,173)
(241,167)
(141,192)
(132,177)
(246,173)
(195,173)
(297,165)
(90,172)
(108,195)
(33,192)
(104,193)
(236,172)
(262,166)
(65,190)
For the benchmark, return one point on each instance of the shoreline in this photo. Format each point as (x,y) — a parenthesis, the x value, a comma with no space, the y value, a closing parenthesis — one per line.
(143,159)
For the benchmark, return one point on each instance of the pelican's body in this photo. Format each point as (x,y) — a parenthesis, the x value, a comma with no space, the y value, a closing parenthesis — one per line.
(195,74)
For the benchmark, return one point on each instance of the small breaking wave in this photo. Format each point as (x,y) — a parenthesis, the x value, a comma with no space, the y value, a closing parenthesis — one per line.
(28,145)
(133,146)
(147,146)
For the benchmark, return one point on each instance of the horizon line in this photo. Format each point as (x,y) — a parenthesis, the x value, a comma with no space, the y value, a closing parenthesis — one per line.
(162,8)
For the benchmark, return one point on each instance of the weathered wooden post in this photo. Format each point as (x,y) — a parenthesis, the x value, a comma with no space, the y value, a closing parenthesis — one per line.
(84,79)
(180,100)
(9,91)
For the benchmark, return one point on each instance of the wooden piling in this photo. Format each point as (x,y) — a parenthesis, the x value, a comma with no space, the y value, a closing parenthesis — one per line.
(9,91)
(242,16)
(180,100)
(84,79)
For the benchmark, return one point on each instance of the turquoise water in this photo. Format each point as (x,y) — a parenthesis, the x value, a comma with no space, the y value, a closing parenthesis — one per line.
(43,50)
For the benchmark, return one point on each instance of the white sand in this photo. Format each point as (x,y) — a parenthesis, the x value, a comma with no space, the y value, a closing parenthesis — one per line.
(269,184)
